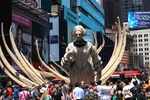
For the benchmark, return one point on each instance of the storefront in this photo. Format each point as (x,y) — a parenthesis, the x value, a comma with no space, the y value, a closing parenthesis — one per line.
(126,74)
(29,24)
(22,31)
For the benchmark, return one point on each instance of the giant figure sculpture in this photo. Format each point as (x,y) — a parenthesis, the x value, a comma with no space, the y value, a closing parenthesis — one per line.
(80,58)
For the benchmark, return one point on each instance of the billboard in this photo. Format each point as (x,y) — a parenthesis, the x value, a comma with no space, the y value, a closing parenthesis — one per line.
(138,20)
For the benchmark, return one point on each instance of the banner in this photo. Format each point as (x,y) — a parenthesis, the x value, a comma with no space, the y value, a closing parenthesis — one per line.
(138,20)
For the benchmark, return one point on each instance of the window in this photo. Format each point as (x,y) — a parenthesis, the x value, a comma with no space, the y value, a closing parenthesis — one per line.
(73,5)
(135,49)
(146,63)
(146,49)
(140,49)
(140,35)
(145,35)
(146,58)
(135,36)
(140,40)
(146,44)
(145,40)
(135,53)
(140,44)
(146,53)
(137,3)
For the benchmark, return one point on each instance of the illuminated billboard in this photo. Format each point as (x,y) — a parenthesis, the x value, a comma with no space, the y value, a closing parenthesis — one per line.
(138,20)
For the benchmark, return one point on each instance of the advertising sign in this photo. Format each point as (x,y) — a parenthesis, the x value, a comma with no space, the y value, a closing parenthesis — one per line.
(54,39)
(138,20)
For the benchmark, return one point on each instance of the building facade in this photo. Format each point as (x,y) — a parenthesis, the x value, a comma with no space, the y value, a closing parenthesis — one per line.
(30,23)
(141,44)
(114,8)
(112,11)
(121,8)
(88,13)
(130,5)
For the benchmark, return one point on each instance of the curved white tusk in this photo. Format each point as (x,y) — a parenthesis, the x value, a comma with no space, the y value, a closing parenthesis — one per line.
(35,77)
(14,77)
(14,72)
(101,46)
(13,56)
(121,48)
(46,64)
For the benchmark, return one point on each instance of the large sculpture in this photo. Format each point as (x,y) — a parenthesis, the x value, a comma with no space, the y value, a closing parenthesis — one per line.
(81,59)
(32,77)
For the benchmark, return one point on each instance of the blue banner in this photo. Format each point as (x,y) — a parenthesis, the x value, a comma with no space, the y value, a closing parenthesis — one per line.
(138,20)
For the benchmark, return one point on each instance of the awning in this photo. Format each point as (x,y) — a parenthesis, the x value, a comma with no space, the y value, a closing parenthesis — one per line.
(126,74)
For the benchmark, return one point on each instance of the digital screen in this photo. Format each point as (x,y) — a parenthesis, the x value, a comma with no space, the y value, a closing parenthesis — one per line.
(138,20)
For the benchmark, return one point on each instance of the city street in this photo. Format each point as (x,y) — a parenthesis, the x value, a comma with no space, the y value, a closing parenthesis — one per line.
(75,50)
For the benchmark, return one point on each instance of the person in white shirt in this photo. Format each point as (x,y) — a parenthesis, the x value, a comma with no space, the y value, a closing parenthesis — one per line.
(78,92)
(104,91)
(127,94)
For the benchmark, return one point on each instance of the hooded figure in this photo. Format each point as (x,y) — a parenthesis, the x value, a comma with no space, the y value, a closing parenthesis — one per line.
(80,58)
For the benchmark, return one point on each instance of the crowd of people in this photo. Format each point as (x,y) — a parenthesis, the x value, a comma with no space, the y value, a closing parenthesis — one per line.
(59,90)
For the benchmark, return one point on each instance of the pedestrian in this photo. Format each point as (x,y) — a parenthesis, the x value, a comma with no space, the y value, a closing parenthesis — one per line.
(9,92)
(16,91)
(24,94)
(78,92)
(57,94)
(127,94)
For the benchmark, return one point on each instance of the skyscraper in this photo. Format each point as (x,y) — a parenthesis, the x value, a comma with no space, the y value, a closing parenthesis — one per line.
(114,8)
(130,5)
